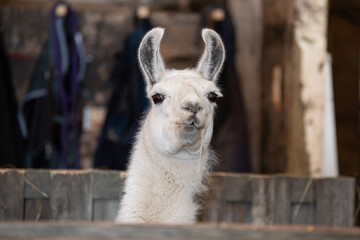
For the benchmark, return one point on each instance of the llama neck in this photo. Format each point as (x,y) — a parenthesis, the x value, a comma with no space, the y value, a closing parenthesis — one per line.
(182,170)
(160,188)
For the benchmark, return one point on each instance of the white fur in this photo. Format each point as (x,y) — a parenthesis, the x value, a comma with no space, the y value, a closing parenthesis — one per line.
(164,173)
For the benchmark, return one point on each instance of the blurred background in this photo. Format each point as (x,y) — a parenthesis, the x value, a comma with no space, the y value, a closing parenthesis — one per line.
(72,94)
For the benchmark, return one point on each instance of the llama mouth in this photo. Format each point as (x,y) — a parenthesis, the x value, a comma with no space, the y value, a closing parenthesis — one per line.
(189,127)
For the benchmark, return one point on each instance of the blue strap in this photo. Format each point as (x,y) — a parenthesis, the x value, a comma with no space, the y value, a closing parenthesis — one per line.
(82,63)
(38,93)
(63,45)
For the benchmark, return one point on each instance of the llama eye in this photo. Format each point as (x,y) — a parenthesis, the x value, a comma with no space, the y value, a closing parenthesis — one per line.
(157,98)
(212,97)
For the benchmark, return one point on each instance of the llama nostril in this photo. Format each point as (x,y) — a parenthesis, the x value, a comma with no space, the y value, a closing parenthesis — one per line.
(192,107)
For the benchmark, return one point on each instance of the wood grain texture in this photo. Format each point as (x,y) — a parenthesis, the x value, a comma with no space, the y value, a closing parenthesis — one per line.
(213,205)
(305,89)
(233,198)
(37,184)
(11,195)
(71,195)
(247,20)
(239,188)
(107,184)
(259,201)
(305,215)
(302,201)
(237,212)
(343,206)
(276,20)
(78,231)
(331,205)
(37,209)
(105,210)
(107,187)
(298,186)
(279,199)
(37,195)
(294,53)
(281,207)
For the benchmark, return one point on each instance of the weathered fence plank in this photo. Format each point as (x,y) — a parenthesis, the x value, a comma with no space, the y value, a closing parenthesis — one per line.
(239,187)
(215,200)
(107,189)
(105,210)
(259,197)
(78,231)
(37,209)
(281,205)
(36,194)
(302,201)
(238,198)
(11,195)
(343,206)
(305,215)
(277,199)
(239,212)
(332,206)
(37,184)
(107,184)
(299,187)
(241,198)
(71,195)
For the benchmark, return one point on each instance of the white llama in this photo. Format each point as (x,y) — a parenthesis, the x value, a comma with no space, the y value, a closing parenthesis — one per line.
(171,156)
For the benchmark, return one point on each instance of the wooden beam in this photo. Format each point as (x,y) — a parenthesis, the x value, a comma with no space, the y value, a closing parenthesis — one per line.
(76,230)
(277,17)
(247,19)
(294,56)
(304,87)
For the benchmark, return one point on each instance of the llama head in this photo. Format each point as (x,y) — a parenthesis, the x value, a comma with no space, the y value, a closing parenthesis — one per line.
(183,101)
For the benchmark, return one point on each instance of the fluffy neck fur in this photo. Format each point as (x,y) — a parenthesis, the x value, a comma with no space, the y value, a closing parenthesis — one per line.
(162,189)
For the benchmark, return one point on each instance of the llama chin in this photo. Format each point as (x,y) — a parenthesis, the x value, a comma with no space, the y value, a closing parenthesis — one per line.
(171,156)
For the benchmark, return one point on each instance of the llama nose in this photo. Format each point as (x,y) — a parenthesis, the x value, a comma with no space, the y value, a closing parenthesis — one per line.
(192,107)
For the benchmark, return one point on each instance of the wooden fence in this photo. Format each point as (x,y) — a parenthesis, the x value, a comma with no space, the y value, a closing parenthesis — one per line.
(81,231)
(234,198)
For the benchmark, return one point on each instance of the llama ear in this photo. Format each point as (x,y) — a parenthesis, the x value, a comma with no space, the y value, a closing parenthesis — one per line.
(149,56)
(213,57)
